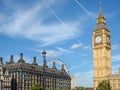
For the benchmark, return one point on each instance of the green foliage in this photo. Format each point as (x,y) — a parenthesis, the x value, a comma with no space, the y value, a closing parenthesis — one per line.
(80,88)
(36,87)
(104,85)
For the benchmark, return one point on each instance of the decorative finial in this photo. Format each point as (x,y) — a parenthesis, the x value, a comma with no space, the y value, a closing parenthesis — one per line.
(44,58)
(21,58)
(11,59)
(34,61)
(44,54)
(21,55)
(54,66)
(101,13)
(63,69)
(1,61)
(100,3)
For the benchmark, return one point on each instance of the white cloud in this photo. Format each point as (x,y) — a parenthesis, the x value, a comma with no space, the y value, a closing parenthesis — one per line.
(52,53)
(87,47)
(78,2)
(29,24)
(63,50)
(75,67)
(2,17)
(74,46)
(36,49)
(115,68)
(84,78)
(116,58)
(115,47)
(17,57)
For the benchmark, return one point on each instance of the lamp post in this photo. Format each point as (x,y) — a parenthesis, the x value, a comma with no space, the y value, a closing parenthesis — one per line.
(44,64)
(44,56)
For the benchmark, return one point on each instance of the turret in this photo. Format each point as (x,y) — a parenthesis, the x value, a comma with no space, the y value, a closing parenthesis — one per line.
(44,58)
(62,69)
(11,59)
(101,21)
(21,58)
(34,61)
(54,66)
(1,61)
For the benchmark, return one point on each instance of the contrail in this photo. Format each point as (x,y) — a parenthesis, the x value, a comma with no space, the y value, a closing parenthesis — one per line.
(53,13)
(58,18)
(83,8)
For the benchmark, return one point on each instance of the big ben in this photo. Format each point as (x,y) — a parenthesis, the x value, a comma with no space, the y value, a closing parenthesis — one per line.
(101,43)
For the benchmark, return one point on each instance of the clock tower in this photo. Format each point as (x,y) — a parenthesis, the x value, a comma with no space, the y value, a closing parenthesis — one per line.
(101,43)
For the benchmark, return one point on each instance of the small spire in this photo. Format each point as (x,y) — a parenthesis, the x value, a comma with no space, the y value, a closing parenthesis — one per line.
(34,61)
(11,59)
(101,21)
(54,66)
(100,3)
(44,54)
(63,69)
(44,58)
(21,55)
(101,13)
(21,58)
(45,63)
(1,61)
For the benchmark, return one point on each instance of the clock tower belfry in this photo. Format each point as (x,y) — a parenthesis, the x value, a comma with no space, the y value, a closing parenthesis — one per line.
(101,43)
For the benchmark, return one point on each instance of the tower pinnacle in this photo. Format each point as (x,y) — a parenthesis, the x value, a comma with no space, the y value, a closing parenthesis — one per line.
(101,21)
(100,13)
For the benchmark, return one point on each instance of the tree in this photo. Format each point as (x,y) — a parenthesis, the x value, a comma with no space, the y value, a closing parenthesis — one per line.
(36,87)
(80,88)
(104,85)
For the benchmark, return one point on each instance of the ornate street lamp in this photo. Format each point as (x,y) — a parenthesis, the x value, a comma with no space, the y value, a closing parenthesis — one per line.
(44,54)
(44,64)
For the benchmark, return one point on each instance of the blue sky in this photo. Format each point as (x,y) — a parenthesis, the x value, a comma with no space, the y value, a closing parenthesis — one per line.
(62,27)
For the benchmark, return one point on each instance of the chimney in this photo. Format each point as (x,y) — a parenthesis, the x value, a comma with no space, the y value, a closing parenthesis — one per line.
(11,59)
(1,61)
(34,61)
(63,69)
(21,58)
(21,55)
(54,66)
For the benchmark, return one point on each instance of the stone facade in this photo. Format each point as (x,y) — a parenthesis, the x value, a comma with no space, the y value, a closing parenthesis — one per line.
(101,50)
(73,82)
(21,76)
(115,80)
(101,42)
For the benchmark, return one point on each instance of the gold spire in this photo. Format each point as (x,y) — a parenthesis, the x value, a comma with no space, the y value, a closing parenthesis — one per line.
(101,13)
(101,21)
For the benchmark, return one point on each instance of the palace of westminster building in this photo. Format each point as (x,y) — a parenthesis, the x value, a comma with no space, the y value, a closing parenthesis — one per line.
(101,44)
(21,75)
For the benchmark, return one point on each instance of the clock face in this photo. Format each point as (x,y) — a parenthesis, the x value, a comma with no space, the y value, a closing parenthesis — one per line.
(98,39)
(108,39)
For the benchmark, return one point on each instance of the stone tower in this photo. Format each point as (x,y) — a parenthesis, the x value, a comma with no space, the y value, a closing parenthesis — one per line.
(101,43)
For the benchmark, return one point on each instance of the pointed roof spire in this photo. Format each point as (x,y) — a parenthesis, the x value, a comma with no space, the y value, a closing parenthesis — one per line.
(44,58)
(45,63)
(1,61)
(101,21)
(21,58)
(11,59)
(54,66)
(34,61)
(100,13)
(62,69)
